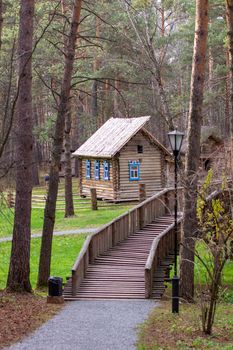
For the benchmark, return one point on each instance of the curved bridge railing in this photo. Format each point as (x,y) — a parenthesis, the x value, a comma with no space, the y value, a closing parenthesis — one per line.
(161,247)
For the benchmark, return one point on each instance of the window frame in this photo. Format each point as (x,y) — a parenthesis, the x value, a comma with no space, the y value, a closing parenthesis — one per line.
(88,169)
(106,170)
(134,163)
(96,169)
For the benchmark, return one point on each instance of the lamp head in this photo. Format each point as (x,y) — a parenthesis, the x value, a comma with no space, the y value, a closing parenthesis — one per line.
(176,139)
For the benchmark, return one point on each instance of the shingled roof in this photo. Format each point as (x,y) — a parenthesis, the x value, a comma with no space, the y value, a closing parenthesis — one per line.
(112,136)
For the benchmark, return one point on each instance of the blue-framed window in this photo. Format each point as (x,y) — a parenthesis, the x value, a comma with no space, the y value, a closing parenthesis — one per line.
(106,169)
(88,169)
(97,170)
(134,170)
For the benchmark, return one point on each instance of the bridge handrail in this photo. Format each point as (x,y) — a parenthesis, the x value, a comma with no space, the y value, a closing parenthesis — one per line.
(119,229)
(161,246)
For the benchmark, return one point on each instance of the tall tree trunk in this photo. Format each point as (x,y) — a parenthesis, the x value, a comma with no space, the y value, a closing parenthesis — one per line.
(35,168)
(162,11)
(226,110)
(50,207)
(211,120)
(94,89)
(94,103)
(163,106)
(115,99)
(229,16)
(1,22)
(69,204)
(35,165)
(116,106)
(107,103)
(19,271)
(78,129)
(193,153)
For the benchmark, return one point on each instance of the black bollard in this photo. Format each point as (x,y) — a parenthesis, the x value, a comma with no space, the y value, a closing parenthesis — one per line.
(175,294)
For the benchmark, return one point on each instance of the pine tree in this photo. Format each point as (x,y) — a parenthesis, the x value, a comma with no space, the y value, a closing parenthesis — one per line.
(193,153)
(19,271)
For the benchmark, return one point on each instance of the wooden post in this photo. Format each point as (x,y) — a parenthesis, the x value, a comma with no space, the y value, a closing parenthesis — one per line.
(93,199)
(80,176)
(148,283)
(142,192)
(141,217)
(10,200)
(167,203)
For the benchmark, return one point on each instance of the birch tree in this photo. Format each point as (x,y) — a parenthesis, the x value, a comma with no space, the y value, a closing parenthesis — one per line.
(147,36)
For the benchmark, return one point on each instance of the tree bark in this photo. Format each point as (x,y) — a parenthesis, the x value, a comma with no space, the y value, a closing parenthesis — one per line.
(35,165)
(229,16)
(193,152)
(94,89)
(1,22)
(69,205)
(50,207)
(211,120)
(226,109)
(162,11)
(94,102)
(78,129)
(19,271)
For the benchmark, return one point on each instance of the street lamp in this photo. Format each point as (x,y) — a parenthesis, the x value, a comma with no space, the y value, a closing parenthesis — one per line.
(175,139)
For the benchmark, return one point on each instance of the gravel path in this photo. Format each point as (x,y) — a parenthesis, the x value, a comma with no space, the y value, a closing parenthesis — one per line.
(57,233)
(91,325)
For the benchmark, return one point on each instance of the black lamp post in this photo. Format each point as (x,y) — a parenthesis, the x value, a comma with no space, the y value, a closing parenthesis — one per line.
(176,139)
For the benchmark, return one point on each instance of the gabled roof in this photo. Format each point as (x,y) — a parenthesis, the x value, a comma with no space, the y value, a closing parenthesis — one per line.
(112,136)
(156,142)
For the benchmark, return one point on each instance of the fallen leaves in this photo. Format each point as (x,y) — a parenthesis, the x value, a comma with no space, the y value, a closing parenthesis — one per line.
(21,314)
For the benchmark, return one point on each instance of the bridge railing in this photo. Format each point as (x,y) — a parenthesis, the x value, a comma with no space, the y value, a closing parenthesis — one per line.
(160,248)
(119,229)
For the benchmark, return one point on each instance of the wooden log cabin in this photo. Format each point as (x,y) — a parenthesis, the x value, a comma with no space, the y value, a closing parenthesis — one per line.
(119,156)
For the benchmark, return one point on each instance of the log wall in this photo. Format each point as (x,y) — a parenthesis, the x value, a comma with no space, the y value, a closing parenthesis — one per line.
(152,168)
(104,188)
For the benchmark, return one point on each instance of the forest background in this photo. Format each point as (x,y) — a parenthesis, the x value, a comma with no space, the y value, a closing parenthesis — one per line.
(133,58)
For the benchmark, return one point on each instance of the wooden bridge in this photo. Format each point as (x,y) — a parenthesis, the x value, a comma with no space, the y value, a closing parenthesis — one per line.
(130,257)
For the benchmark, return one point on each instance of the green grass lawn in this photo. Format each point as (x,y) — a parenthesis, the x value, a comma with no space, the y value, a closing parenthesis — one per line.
(200,271)
(83,219)
(64,253)
(227,278)
(6,221)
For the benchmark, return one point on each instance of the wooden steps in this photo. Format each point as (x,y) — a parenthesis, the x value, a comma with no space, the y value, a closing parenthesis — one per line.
(119,272)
